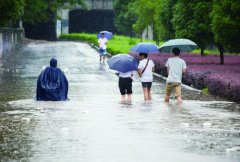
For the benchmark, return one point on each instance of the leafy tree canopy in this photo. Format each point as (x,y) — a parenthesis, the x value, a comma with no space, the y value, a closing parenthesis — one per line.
(191,20)
(31,11)
(165,16)
(125,17)
(10,11)
(226,24)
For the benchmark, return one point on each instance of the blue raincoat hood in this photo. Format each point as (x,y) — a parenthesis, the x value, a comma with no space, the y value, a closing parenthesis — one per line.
(53,62)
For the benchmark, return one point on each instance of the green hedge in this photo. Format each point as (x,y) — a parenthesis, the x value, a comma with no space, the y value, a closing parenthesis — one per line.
(121,44)
(118,44)
(89,38)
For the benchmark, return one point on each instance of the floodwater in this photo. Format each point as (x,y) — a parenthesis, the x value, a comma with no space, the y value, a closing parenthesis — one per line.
(94,127)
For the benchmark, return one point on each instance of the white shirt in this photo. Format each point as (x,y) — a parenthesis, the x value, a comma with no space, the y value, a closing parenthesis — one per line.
(103,43)
(126,75)
(176,66)
(147,76)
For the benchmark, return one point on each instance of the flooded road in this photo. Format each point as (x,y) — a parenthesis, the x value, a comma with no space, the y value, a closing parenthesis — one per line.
(94,127)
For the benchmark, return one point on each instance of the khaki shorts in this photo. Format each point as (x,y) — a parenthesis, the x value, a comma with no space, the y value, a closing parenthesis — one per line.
(176,87)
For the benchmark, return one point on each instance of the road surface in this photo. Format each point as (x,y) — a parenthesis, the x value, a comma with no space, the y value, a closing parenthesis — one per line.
(94,127)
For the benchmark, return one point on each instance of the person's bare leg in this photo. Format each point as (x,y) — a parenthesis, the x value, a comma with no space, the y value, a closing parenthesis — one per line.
(149,95)
(129,99)
(178,94)
(104,58)
(166,99)
(179,100)
(145,92)
(123,98)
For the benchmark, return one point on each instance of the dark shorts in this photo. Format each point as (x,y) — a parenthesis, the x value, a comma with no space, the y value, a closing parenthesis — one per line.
(125,85)
(147,85)
(102,52)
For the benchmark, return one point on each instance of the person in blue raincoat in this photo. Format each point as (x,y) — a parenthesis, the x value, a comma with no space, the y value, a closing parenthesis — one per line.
(52,84)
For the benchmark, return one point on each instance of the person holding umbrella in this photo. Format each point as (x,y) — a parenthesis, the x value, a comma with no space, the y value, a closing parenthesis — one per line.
(103,38)
(125,65)
(125,85)
(102,44)
(176,67)
(145,71)
(146,66)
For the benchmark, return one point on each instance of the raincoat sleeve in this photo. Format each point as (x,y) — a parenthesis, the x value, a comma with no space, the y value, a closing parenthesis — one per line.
(64,88)
(40,93)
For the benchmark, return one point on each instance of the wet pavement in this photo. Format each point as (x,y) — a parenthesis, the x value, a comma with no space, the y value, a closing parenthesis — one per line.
(94,127)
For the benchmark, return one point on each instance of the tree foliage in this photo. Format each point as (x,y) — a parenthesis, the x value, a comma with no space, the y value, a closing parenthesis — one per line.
(147,13)
(181,11)
(41,10)
(200,24)
(196,24)
(137,15)
(206,22)
(10,11)
(164,17)
(31,11)
(226,24)
(125,17)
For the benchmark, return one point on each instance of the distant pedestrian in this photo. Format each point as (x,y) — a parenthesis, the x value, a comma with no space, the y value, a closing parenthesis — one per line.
(102,44)
(125,86)
(176,67)
(146,68)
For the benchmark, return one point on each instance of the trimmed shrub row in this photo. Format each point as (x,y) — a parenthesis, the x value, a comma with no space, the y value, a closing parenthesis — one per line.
(89,38)
(206,72)
(118,44)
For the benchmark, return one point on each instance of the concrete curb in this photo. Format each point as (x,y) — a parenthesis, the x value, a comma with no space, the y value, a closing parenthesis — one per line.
(183,85)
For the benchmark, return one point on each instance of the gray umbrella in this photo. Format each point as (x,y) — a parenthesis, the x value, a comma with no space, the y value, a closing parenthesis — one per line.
(185,45)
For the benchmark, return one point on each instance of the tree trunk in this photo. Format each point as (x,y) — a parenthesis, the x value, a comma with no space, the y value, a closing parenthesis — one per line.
(221,54)
(202,51)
